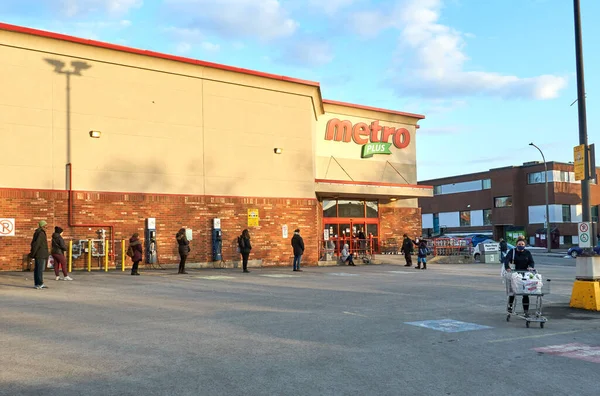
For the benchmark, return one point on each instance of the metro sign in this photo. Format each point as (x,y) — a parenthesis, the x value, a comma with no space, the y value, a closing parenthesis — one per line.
(375,138)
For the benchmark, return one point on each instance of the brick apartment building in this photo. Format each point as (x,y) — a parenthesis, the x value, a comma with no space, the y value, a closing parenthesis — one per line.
(510,201)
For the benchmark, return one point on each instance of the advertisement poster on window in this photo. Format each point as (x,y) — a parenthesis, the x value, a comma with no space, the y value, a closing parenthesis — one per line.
(326,234)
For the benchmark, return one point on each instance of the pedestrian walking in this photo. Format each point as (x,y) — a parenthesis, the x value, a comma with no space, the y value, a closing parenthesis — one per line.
(184,249)
(136,245)
(58,254)
(298,245)
(245,248)
(407,250)
(422,255)
(347,256)
(503,249)
(39,252)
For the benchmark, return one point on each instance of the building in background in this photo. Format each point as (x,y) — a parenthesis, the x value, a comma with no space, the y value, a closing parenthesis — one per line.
(507,202)
(105,140)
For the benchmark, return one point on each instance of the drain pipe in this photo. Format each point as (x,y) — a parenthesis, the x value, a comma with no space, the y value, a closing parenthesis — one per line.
(71,222)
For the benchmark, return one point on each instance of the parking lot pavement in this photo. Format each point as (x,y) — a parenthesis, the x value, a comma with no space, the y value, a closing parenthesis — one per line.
(365,330)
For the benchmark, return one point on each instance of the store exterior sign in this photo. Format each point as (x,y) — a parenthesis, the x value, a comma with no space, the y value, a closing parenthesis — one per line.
(374,138)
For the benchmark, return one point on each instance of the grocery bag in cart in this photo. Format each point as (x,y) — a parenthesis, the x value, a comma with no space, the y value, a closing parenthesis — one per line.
(526,283)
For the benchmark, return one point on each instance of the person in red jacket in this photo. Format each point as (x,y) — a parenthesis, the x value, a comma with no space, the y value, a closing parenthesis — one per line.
(136,245)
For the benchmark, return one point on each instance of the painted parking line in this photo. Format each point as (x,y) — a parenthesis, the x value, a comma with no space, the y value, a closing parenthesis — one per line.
(279,276)
(573,351)
(354,314)
(215,277)
(341,274)
(403,272)
(448,325)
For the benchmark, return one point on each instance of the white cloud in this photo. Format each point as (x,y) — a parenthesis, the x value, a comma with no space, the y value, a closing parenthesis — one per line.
(330,7)
(183,48)
(210,47)
(433,57)
(73,8)
(263,19)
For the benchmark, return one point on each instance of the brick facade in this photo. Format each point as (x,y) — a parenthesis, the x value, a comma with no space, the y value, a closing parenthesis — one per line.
(394,222)
(127,214)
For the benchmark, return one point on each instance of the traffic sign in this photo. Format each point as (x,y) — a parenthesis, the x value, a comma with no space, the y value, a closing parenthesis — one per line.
(579,161)
(7,227)
(585,239)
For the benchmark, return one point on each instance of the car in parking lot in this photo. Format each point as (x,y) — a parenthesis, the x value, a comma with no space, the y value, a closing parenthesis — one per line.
(576,251)
(476,253)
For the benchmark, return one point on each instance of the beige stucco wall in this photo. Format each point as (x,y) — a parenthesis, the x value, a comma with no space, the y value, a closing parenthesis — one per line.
(348,154)
(167,126)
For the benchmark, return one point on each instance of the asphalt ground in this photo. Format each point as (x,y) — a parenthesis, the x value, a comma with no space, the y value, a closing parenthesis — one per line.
(324,331)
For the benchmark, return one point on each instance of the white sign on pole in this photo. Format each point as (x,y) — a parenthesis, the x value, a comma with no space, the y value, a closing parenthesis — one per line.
(585,237)
(7,227)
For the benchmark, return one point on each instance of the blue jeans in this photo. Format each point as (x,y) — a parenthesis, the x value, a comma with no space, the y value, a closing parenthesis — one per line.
(297,261)
(421,260)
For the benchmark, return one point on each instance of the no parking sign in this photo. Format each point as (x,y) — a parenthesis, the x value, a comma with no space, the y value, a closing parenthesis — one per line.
(585,238)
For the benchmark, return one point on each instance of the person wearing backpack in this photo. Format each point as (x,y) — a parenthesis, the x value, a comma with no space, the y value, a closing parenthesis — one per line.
(136,245)
(422,255)
(407,249)
(298,246)
(39,251)
(184,249)
(245,248)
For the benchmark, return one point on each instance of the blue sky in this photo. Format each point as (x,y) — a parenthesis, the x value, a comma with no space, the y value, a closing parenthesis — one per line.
(490,76)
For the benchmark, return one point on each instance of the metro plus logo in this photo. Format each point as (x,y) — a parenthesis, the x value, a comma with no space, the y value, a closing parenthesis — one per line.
(374,138)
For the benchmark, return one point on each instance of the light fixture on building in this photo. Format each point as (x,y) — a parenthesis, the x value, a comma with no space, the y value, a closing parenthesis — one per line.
(468,206)
(393,199)
(95,134)
(277,150)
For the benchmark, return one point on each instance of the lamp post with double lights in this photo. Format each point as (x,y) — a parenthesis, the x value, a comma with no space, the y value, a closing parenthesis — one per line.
(548,241)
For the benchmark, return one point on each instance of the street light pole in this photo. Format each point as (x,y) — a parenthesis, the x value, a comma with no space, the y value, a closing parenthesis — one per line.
(548,241)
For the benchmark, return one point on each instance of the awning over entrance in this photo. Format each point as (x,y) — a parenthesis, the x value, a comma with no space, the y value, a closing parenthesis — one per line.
(370,190)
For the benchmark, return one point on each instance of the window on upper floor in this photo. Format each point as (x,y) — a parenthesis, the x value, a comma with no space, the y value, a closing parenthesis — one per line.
(503,202)
(536,177)
(487,217)
(487,184)
(465,218)
(566,213)
(437,190)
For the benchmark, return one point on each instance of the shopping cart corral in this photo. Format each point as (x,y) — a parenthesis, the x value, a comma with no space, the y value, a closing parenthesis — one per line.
(526,284)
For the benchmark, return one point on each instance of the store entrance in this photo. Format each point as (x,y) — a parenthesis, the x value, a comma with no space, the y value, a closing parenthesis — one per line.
(343,220)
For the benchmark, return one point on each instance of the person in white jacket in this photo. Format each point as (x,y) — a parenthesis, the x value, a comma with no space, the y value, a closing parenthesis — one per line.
(346,255)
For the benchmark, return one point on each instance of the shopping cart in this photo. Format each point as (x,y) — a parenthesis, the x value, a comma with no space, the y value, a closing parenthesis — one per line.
(524,286)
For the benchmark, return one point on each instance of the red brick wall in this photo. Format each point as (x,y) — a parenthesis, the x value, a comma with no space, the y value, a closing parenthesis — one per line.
(394,222)
(127,214)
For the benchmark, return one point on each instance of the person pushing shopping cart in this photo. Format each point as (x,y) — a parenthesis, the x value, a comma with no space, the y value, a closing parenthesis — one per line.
(523,261)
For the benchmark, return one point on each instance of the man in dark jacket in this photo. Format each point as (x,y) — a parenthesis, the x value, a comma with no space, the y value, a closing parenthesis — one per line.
(523,261)
(245,248)
(298,245)
(39,251)
(407,248)
(184,249)
(58,254)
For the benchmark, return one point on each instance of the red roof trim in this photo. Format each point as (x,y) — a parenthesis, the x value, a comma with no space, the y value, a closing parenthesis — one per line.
(376,184)
(333,102)
(99,44)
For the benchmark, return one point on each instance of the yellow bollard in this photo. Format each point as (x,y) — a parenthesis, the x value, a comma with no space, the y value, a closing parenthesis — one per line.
(123,255)
(70,256)
(89,255)
(105,256)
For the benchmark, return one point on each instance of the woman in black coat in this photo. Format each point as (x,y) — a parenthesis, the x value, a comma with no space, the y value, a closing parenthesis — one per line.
(523,261)
(184,249)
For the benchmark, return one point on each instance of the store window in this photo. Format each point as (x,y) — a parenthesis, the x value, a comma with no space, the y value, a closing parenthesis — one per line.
(536,177)
(372,209)
(503,202)
(487,184)
(329,209)
(487,217)
(566,213)
(465,218)
(568,240)
(351,208)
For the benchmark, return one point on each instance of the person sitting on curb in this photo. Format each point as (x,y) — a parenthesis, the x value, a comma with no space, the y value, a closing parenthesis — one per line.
(347,256)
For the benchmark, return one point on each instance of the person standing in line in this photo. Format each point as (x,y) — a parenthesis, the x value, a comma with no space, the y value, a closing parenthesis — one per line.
(407,248)
(298,245)
(362,241)
(39,251)
(347,256)
(136,245)
(58,254)
(245,248)
(422,255)
(184,249)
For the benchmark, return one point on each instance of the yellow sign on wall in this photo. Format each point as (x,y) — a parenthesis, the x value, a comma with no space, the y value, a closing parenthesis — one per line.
(579,161)
(252,217)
